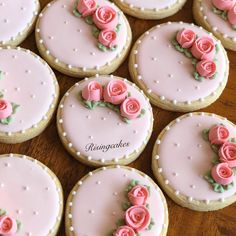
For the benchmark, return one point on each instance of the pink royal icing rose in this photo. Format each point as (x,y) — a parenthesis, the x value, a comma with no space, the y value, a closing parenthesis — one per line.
(115,92)
(232,15)
(124,231)
(227,153)
(5,109)
(92,91)
(8,225)
(222,174)
(86,7)
(105,17)
(224,5)
(130,108)
(138,195)
(218,134)
(206,68)
(186,38)
(108,38)
(203,48)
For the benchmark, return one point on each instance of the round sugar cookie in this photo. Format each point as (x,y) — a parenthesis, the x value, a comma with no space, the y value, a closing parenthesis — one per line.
(98,202)
(31,195)
(28,94)
(170,75)
(99,133)
(185,155)
(150,9)
(216,20)
(80,53)
(17,20)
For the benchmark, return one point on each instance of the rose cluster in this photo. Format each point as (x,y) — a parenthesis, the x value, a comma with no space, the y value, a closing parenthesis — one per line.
(5,109)
(202,48)
(137,217)
(104,17)
(222,173)
(8,225)
(115,92)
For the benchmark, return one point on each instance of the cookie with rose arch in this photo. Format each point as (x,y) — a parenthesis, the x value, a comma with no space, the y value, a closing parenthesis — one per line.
(219,17)
(126,194)
(201,173)
(99,36)
(199,66)
(104,120)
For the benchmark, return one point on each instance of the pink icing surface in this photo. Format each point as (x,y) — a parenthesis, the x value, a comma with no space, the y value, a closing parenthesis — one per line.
(103,195)
(102,125)
(27,193)
(15,16)
(28,82)
(80,47)
(191,157)
(174,82)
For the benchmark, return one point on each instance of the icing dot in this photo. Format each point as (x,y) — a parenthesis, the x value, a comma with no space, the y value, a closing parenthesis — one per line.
(1,185)
(80,182)
(170,75)
(89,158)
(78,153)
(156,81)
(159,170)
(176,192)
(98,182)
(90,137)
(26,188)
(7,164)
(181,62)
(199,145)
(198,125)
(33,96)
(158,141)
(88,117)
(29,234)
(70,203)
(190,157)
(102,160)
(154,37)
(79,30)
(119,123)
(125,175)
(154,58)
(91,211)
(74,193)
(18,211)
(115,194)
(207,201)
(175,174)
(71,228)
(197,87)
(70,216)
(35,213)
(222,199)
(166,181)
(27,71)
(190,199)
(157,157)
(43,83)
(103,118)
(192,186)
(90,173)
(113,213)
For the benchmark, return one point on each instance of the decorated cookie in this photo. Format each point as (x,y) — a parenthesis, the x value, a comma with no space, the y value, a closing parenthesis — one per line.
(17,20)
(28,94)
(98,36)
(105,120)
(31,197)
(150,9)
(116,201)
(180,66)
(219,17)
(194,160)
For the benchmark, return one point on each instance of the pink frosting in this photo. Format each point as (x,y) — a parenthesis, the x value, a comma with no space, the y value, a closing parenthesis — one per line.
(218,134)
(203,48)
(124,231)
(232,15)
(227,153)
(224,5)
(8,226)
(222,174)
(130,108)
(92,91)
(86,7)
(206,68)
(108,38)
(105,17)
(115,92)
(5,109)
(138,195)
(137,217)
(186,38)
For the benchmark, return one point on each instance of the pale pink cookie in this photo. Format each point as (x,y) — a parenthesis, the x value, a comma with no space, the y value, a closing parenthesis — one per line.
(31,197)
(28,94)
(179,66)
(17,20)
(98,36)
(104,120)
(100,204)
(194,160)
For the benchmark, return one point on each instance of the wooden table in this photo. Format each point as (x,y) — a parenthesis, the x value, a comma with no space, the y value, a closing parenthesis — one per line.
(48,149)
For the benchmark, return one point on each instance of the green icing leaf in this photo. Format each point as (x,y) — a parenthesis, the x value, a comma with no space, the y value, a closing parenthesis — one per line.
(205,134)
(118,28)
(215,148)
(232,140)
(218,188)
(126,120)
(2,212)
(194,61)
(14,107)
(102,47)
(216,10)
(1,75)
(6,121)
(215,160)
(89,20)
(234,170)
(234,27)
(217,48)
(126,205)
(209,178)
(174,42)
(187,53)
(19,225)
(75,10)
(197,77)
(229,186)
(120,222)
(151,224)
(1,94)
(95,31)
(179,48)
(129,94)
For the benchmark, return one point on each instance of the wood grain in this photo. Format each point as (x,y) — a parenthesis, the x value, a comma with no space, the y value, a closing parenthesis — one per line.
(48,149)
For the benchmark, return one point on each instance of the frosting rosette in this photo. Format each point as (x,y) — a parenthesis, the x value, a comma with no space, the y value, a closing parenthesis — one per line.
(137,217)
(86,7)
(222,174)
(115,92)
(218,134)
(8,225)
(186,38)
(130,108)
(108,38)
(124,231)
(232,15)
(105,17)
(227,153)
(138,195)
(223,5)
(5,109)
(206,68)
(92,91)
(203,48)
